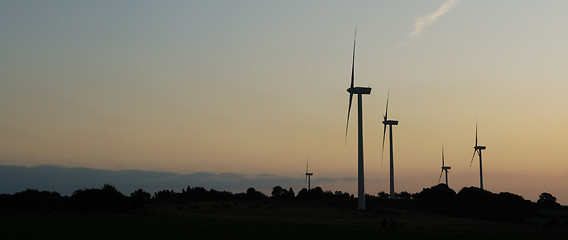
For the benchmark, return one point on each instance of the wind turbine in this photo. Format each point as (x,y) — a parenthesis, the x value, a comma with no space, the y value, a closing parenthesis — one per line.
(308,174)
(444,168)
(359,91)
(389,123)
(478,149)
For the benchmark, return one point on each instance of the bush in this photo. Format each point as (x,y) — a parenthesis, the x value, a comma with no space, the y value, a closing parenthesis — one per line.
(106,199)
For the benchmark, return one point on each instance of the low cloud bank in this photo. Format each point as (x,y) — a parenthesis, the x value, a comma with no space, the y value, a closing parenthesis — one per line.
(66,180)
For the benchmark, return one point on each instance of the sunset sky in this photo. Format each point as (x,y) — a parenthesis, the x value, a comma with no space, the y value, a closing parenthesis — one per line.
(253,87)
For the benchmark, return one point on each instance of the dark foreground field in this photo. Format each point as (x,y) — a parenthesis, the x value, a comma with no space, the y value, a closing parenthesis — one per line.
(266,220)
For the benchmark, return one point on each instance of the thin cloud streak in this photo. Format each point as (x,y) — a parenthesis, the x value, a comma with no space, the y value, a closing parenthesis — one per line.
(424,21)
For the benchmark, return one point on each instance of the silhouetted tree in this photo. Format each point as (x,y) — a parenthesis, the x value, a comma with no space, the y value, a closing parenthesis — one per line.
(303,194)
(473,201)
(106,199)
(439,194)
(317,192)
(282,194)
(220,195)
(546,197)
(291,193)
(339,195)
(312,194)
(140,198)
(35,197)
(403,195)
(383,195)
(546,200)
(240,196)
(415,196)
(277,192)
(252,194)
(197,193)
(166,196)
(512,205)
(473,196)
(200,193)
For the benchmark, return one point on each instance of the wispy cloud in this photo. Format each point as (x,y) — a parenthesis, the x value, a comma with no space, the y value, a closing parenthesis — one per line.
(421,23)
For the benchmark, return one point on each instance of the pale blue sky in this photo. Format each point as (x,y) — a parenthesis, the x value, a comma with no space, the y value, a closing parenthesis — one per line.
(251,87)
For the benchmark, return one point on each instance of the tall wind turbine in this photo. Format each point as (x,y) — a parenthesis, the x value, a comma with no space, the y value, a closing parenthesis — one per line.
(359,91)
(308,174)
(478,149)
(389,123)
(444,168)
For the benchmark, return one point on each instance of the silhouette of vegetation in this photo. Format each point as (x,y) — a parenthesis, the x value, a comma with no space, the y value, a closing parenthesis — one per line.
(193,194)
(469,202)
(403,195)
(383,195)
(166,197)
(546,200)
(35,198)
(252,194)
(281,193)
(312,194)
(512,206)
(106,199)
(476,202)
(317,194)
(200,193)
(440,194)
(339,195)
(196,193)
(140,198)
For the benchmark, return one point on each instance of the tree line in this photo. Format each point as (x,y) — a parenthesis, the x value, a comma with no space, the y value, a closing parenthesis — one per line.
(469,201)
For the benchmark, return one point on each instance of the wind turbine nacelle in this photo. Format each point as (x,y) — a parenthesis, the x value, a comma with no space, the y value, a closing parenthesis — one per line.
(390,122)
(479,147)
(446,167)
(309,174)
(359,90)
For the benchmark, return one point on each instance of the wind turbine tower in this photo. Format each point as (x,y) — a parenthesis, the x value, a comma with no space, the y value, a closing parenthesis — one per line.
(308,174)
(389,123)
(360,91)
(444,169)
(478,149)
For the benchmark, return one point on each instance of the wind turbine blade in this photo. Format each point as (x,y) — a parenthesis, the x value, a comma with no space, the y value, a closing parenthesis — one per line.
(352,85)
(440,178)
(307,162)
(476,133)
(353,62)
(348,113)
(383,149)
(306,181)
(385,117)
(474,151)
(387,108)
(443,164)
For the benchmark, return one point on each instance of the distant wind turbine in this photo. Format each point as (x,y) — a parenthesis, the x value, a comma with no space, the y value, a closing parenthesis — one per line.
(444,168)
(359,91)
(308,174)
(478,149)
(389,123)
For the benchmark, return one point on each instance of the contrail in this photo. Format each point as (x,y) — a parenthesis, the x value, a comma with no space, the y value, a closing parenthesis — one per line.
(422,22)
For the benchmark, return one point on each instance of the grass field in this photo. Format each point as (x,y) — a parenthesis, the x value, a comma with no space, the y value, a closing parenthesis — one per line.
(238,220)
